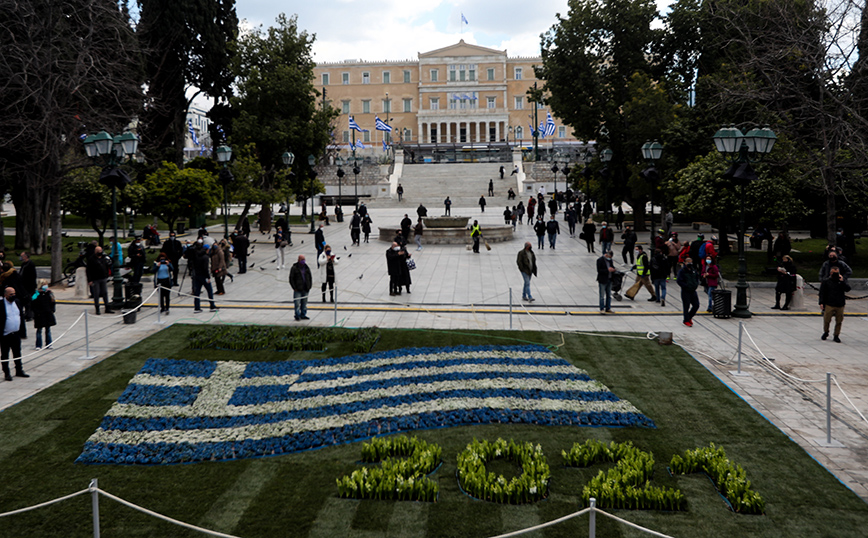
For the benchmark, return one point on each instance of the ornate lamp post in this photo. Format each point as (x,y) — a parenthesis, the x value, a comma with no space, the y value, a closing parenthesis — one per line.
(742,150)
(605,157)
(356,172)
(555,170)
(652,151)
(340,162)
(311,161)
(112,150)
(224,153)
(288,158)
(588,157)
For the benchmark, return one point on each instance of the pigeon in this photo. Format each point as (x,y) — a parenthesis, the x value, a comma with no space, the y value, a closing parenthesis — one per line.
(252,264)
(262,268)
(349,255)
(361,275)
(345,247)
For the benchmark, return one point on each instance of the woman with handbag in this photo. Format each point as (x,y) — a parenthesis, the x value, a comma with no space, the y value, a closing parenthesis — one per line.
(280,244)
(327,262)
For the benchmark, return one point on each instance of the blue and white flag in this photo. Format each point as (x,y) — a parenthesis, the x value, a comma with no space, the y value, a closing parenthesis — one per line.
(380,125)
(532,130)
(192,132)
(355,126)
(464,19)
(550,125)
(359,145)
(385,146)
(176,411)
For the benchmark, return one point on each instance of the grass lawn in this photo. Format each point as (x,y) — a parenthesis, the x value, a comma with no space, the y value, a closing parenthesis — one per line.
(295,495)
(807,255)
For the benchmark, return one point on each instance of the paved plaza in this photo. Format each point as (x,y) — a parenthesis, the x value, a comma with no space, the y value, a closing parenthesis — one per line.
(454,288)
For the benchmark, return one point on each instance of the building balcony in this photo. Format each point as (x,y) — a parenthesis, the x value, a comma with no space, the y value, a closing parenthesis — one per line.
(461,112)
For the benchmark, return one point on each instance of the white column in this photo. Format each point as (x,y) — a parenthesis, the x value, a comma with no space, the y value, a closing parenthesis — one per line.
(497,130)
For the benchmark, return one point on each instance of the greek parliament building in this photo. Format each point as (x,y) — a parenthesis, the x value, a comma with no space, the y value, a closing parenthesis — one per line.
(460,94)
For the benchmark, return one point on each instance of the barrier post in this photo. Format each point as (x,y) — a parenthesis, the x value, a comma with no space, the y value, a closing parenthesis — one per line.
(739,372)
(160,305)
(87,356)
(592,519)
(510,309)
(94,499)
(828,441)
(336,305)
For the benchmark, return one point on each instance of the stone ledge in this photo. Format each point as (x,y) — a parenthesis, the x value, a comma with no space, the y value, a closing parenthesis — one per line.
(453,236)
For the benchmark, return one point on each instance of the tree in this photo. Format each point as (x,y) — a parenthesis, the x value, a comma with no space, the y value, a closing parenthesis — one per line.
(68,68)
(187,43)
(83,195)
(276,101)
(174,193)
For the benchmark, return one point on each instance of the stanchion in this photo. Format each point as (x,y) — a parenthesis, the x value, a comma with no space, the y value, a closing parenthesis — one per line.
(160,306)
(510,309)
(592,519)
(828,441)
(87,356)
(336,305)
(94,496)
(739,372)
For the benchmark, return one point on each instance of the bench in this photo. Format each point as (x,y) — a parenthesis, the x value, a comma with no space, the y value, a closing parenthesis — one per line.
(344,200)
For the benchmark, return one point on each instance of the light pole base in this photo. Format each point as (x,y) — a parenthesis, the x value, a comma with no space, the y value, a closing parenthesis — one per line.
(742,313)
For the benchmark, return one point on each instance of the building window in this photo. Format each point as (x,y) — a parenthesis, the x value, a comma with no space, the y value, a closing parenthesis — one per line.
(408,135)
(346,136)
(539,106)
(490,73)
(366,78)
(471,73)
(452,73)
(462,73)
(518,73)
(325,79)
(435,103)
(434,75)
(366,136)
(387,77)
(453,102)
(519,133)
(387,105)
(345,107)
(345,78)
(406,77)
(492,102)
(519,102)
(562,132)
(408,105)
(366,106)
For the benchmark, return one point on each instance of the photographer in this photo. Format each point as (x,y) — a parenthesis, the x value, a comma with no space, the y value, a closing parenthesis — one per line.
(832,300)
(163,270)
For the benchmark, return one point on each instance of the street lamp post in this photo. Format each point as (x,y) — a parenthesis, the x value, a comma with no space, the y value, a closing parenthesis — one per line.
(652,151)
(224,153)
(588,157)
(340,173)
(356,171)
(112,151)
(311,160)
(605,157)
(742,150)
(288,158)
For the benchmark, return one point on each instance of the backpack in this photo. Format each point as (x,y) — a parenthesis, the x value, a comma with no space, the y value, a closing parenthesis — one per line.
(702,250)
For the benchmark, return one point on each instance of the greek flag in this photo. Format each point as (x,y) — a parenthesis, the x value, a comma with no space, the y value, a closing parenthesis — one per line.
(380,125)
(385,147)
(464,19)
(355,126)
(550,125)
(359,145)
(192,132)
(532,130)
(177,411)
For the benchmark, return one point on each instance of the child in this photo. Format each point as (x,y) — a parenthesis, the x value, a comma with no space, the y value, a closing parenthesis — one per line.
(43,313)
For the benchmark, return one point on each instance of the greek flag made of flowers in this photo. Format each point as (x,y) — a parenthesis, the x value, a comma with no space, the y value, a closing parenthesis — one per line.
(176,411)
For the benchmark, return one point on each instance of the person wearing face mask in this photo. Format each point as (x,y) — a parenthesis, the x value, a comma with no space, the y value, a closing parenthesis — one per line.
(629,237)
(301,281)
(43,313)
(711,274)
(327,262)
(833,261)
(553,229)
(832,300)
(688,280)
(643,276)
(173,250)
(786,283)
(137,259)
(98,270)
(607,237)
(14,329)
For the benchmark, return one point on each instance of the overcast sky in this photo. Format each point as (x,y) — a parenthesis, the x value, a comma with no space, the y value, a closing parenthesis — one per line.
(400,29)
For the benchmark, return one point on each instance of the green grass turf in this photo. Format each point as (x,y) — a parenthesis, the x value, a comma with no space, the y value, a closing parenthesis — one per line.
(295,495)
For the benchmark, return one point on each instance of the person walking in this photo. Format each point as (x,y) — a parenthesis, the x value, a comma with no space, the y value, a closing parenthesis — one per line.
(688,281)
(674,249)
(501,171)
(417,234)
(526,261)
(643,276)
(572,219)
(629,238)
(366,228)
(519,209)
(301,281)
(711,274)
(327,262)
(589,232)
(475,234)
(605,269)
(400,191)
(241,243)
(174,250)
(491,187)
(319,241)
(531,207)
(482,203)
(619,218)
(540,229)
(280,244)
(163,277)
(202,278)
(832,300)
(406,226)
(659,272)
(553,229)
(97,271)
(355,228)
(43,304)
(786,284)
(218,267)
(607,237)
(447,203)
(14,329)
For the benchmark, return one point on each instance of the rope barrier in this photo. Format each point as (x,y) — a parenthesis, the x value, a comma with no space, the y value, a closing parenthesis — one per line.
(48,347)
(46,503)
(544,525)
(629,524)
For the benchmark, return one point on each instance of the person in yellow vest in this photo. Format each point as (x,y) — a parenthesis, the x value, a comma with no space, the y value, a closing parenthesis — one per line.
(475,233)
(643,276)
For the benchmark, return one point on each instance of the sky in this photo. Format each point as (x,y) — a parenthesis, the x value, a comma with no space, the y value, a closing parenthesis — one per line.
(401,29)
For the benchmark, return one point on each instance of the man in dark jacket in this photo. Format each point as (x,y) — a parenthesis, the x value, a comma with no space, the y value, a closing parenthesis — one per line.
(540,228)
(202,277)
(174,250)
(607,237)
(421,211)
(688,280)
(137,259)
(694,249)
(832,301)
(319,241)
(393,268)
(241,243)
(629,237)
(355,228)
(301,281)
(553,229)
(526,261)
(406,226)
(14,329)
(97,271)
(605,268)
(28,284)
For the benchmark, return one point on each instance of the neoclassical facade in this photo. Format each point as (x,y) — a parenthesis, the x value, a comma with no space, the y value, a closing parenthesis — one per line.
(461,94)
